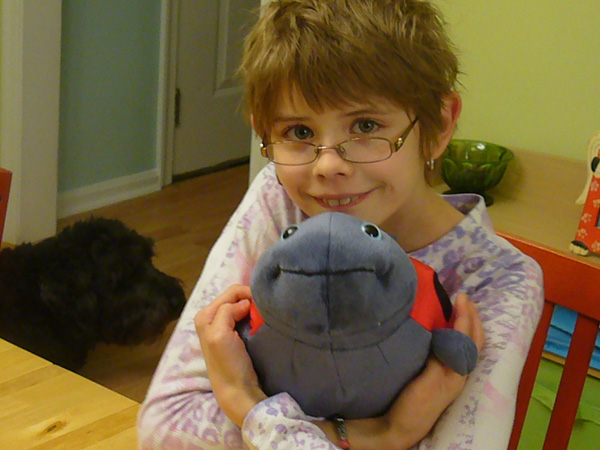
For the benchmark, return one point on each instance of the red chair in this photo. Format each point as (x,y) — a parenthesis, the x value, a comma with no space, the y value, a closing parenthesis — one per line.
(5,177)
(573,283)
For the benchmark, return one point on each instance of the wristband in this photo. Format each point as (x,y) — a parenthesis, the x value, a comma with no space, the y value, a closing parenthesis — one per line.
(340,428)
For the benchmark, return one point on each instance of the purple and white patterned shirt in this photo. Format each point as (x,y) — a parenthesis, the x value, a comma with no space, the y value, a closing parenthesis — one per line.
(180,411)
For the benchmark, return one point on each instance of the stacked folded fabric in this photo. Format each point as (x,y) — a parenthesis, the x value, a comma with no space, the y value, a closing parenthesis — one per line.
(560,332)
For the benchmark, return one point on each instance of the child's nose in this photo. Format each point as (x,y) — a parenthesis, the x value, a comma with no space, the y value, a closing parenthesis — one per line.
(330,163)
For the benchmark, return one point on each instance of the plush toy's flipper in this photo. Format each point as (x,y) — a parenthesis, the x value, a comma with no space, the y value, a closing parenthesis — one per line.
(455,349)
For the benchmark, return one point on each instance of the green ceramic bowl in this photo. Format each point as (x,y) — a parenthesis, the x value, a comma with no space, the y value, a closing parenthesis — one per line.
(474,166)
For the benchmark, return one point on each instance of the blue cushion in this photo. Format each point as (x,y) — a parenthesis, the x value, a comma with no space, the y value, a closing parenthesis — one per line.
(560,332)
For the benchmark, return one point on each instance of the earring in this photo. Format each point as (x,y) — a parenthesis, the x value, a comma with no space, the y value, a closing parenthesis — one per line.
(430,164)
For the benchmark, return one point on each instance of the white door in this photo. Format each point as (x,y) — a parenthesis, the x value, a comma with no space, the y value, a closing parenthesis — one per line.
(211,129)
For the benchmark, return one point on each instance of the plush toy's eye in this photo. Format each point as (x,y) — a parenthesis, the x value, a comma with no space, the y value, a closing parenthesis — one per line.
(289,231)
(372,230)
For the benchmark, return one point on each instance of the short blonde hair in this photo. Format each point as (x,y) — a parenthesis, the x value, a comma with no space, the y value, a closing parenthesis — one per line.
(340,51)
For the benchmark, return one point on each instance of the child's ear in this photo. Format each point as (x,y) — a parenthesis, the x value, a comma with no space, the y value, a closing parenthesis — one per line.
(451,108)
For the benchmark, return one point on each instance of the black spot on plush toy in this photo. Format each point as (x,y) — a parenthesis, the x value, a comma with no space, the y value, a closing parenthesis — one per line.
(342,319)
(93,282)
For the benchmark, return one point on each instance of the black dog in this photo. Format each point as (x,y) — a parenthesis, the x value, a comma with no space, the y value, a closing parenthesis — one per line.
(93,282)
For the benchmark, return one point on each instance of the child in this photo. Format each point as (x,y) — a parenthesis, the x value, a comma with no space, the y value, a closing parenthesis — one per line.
(354,101)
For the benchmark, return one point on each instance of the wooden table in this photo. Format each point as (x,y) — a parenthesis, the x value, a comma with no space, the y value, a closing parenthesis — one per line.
(536,200)
(43,406)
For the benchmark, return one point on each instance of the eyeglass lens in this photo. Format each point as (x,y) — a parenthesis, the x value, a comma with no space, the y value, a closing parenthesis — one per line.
(355,150)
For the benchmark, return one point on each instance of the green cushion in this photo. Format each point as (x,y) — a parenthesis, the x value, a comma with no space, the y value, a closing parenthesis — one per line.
(586,432)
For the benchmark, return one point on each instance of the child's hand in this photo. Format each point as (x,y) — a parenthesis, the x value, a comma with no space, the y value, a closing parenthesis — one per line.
(232,376)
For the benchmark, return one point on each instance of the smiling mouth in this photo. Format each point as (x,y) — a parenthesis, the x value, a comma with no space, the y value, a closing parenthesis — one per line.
(340,201)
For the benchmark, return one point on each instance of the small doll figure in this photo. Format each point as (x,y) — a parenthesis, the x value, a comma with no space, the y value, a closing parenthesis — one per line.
(587,238)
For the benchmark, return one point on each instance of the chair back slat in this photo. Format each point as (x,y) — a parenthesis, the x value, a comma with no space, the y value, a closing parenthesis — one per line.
(5,178)
(529,374)
(571,383)
(570,282)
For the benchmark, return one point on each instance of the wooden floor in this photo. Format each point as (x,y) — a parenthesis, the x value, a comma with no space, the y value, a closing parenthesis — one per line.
(184,219)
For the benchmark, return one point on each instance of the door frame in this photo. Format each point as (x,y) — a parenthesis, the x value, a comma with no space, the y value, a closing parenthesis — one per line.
(167,85)
(167,89)
(29,114)
(257,161)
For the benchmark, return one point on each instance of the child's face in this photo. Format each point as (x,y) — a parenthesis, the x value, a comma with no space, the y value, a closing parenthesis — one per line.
(386,193)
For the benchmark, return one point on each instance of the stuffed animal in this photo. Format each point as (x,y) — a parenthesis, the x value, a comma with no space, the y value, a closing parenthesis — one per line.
(342,319)
(94,282)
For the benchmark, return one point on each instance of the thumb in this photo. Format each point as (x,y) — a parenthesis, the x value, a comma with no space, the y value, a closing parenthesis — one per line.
(468,320)
(240,309)
(461,305)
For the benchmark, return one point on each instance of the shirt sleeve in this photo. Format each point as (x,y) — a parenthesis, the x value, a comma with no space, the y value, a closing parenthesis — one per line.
(507,289)
(180,410)
(278,422)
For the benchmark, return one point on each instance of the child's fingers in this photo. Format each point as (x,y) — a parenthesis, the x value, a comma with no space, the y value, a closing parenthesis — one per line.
(220,337)
(462,322)
(233,294)
(229,314)
(468,320)
(478,333)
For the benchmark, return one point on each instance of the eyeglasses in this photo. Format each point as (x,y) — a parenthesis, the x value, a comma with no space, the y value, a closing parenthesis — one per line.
(361,150)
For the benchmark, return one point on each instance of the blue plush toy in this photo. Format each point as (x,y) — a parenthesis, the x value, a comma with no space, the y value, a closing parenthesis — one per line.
(343,319)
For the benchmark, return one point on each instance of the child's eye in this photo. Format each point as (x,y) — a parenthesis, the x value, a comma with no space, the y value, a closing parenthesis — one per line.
(299,132)
(365,126)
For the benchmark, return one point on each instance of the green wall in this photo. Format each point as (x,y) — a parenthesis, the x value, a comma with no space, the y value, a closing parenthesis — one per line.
(532,71)
(109,85)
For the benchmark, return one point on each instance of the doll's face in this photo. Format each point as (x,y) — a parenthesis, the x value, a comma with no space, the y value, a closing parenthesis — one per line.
(332,280)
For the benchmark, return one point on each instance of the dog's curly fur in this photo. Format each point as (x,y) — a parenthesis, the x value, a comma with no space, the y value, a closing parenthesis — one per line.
(94,282)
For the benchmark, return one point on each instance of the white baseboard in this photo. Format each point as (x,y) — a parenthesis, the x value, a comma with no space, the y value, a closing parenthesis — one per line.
(108,192)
